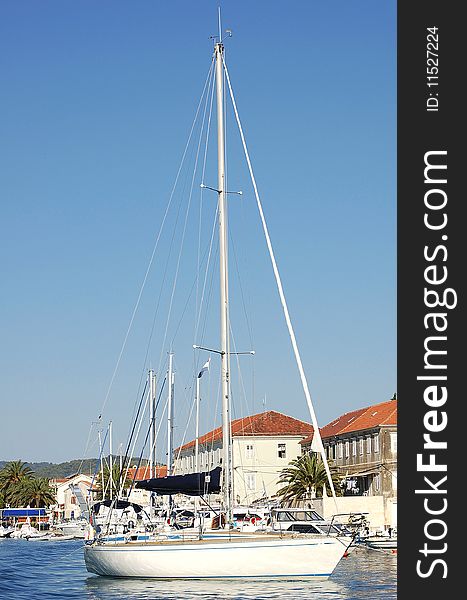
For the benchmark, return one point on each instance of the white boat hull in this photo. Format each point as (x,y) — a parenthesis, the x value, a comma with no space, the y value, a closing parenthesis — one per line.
(382,543)
(303,557)
(76,529)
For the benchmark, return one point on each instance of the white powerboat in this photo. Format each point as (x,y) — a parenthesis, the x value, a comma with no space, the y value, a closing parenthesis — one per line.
(74,528)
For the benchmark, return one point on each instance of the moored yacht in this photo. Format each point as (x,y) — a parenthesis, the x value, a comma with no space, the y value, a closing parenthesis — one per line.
(224,552)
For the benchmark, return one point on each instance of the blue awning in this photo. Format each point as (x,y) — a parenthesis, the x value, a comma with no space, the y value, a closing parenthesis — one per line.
(23,512)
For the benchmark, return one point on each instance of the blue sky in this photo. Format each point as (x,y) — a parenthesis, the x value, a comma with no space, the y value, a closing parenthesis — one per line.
(96,105)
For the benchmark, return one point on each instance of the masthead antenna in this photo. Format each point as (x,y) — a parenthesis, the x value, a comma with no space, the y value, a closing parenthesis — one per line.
(220,27)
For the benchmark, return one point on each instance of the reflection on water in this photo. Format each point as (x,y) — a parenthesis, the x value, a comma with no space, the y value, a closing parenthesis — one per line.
(209,590)
(42,570)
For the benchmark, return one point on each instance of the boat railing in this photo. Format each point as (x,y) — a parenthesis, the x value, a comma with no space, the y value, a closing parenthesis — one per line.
(355,522)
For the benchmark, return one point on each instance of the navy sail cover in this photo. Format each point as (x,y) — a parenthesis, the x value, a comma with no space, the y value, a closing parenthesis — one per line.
(193,484)
(119,504)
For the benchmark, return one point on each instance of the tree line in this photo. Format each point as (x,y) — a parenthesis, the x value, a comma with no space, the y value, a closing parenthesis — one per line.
(20,487)
(303,478)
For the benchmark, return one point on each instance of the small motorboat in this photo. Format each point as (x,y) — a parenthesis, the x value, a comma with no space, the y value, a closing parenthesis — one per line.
(51,537)
(381,542)
(27,531)
(5,532)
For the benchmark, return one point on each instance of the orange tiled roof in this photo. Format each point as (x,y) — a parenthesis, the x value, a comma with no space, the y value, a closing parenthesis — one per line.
(376,415)
(266,423)
(143,472)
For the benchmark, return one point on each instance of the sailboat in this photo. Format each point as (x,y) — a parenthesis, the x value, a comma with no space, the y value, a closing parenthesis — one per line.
(230,554)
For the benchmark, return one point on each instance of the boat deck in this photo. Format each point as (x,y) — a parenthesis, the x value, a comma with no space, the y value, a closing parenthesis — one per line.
(222,538)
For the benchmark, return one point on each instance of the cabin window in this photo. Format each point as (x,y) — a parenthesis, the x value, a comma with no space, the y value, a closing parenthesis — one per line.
(354,447)
(368,445)
(281,450)
(249,451)
(393,442)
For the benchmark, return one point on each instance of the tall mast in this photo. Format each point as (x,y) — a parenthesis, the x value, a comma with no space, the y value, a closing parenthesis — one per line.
(170,425)
(111,465)
(197,426)
(102,464)
(224,288)
(152,423)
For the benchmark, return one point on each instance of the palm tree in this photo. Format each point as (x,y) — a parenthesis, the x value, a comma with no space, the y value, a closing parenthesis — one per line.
(35,493)
(305,477)
(12,474)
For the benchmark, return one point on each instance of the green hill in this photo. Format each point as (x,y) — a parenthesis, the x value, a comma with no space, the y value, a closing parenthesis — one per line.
(65,469)
(60,470)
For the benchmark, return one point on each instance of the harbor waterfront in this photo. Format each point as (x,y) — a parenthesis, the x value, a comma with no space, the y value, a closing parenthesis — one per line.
(56,570)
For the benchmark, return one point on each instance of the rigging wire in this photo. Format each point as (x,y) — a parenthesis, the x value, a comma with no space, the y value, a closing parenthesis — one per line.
(162,284)
(97,464)
(126,459)
(242,296)
(207,86)
(281,292)
(203,172)
(156,244)
(186,306)
(185,432)
(184,230)
(86,448)
(213,231)
(146,441)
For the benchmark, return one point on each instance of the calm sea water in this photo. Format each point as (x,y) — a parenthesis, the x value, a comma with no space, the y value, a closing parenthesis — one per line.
(30,570)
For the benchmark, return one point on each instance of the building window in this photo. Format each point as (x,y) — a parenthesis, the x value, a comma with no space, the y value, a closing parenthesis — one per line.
(249,451)
(354,447)
(394,481)
(340,449)
(377,481)
(368,445)
(361,445)
(376,444)
(346,449)
(394,442)
(250,480)
(281,450)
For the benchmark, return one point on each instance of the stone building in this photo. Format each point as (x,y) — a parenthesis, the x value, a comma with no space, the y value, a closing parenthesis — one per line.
(361,446)
(262,445)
